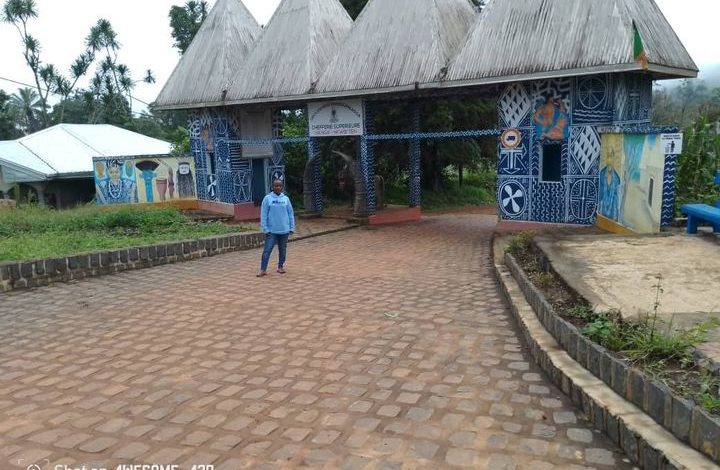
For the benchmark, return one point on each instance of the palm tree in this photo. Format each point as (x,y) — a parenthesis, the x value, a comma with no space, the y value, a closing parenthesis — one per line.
(29,105)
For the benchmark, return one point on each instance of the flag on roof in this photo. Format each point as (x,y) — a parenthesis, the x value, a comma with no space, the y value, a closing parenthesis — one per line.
(639,49)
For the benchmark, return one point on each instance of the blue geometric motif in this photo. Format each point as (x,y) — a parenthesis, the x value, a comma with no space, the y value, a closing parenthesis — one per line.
(242,182)
(548,202)
(415,160)
(583,200)
(593,100)
(584,150)
(513,198)
(668,205)
(515,106)
(514,162)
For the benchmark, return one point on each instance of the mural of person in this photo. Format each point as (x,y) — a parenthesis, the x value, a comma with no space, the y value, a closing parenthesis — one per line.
(147,169)
(111,186)
(610,193)
(551,120)
(185,181)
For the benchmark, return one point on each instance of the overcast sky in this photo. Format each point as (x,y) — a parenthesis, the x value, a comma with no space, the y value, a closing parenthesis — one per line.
(143,30)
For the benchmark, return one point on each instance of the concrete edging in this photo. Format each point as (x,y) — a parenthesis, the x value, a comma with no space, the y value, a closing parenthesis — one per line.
(646,442)
(688,422)
(17,275)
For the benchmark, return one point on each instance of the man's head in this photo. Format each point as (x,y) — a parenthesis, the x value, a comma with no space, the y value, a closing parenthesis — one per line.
(278,187)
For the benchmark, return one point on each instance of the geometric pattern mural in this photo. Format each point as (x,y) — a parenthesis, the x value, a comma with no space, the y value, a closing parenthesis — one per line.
(668,204)
(584,150)
(593,103)
(515,106)
(567,112)
(582,200)
(223,174)
(548,201)
(514,198)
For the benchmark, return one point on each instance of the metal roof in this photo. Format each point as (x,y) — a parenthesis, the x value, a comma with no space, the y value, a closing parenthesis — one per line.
(294,49)
(68,149)
(533,37)
(399,42)
(306,52)
(214,57)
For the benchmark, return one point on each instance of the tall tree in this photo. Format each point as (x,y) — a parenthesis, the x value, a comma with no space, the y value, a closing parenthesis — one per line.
(185,22)
(18,13)
(47,78)
(29,107)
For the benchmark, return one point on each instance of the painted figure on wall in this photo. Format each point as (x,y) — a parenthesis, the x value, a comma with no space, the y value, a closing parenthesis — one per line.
(630,180)
(611,181)
(185,180)
(551,120)
(147,169)
(115,183)
(610,191)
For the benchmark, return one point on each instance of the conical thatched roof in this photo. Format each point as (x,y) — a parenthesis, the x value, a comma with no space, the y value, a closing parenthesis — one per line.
(523,39)
(213,59)
(295,48)
(398,43)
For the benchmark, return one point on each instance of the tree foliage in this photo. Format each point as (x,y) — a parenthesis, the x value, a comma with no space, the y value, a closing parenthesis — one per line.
(185,22)
(8,119)
(694,107)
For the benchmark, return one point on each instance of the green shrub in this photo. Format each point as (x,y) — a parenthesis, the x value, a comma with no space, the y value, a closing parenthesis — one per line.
(608,331)
(546,279)
(581,311)
(521,243)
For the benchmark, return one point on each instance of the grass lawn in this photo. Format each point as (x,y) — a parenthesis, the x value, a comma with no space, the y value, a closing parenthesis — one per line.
(31,232)
(478,189)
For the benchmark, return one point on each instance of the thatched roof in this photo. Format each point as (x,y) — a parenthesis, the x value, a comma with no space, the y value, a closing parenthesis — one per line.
(398,43)
(534,38)
(214,58)
(293,51)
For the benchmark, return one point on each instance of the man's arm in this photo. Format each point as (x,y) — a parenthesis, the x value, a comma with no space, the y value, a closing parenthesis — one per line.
(291,215)
(264,212)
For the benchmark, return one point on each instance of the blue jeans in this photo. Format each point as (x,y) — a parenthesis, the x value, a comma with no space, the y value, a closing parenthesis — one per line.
(272,239)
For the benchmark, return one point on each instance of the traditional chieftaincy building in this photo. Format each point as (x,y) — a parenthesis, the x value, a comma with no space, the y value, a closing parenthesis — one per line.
(572,78)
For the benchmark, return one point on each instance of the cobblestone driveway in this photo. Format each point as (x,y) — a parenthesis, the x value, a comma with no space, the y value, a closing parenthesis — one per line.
(387,348)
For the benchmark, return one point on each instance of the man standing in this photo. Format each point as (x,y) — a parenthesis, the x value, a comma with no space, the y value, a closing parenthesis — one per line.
(277,221)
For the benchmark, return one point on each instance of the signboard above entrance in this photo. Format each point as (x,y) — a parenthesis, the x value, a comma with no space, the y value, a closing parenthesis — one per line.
(336,118)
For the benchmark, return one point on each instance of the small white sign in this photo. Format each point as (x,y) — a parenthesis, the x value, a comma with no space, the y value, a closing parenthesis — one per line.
(336,118)
(672,143)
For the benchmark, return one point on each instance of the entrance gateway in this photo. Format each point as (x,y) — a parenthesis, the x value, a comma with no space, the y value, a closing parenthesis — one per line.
(558,111)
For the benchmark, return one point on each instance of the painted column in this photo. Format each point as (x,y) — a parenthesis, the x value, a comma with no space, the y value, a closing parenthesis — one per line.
(415,159)
(367,161)
(313,178)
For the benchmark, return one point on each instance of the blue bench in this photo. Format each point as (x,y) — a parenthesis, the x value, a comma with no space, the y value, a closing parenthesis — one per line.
(698,212)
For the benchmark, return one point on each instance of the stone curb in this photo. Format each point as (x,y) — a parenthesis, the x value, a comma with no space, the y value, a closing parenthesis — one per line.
(17,275)
(700,357)
(688,422)
(646,443)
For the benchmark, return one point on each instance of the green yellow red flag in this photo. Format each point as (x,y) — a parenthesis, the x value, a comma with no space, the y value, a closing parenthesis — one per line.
(639,48)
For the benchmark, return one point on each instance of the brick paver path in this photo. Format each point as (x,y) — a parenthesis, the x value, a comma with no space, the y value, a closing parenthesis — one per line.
(386,348)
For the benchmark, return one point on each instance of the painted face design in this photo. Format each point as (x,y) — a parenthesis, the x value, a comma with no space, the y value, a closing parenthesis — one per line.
(184,169)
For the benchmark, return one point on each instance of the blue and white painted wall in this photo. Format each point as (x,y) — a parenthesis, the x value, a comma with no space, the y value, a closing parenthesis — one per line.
(235,163)
(549,154)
